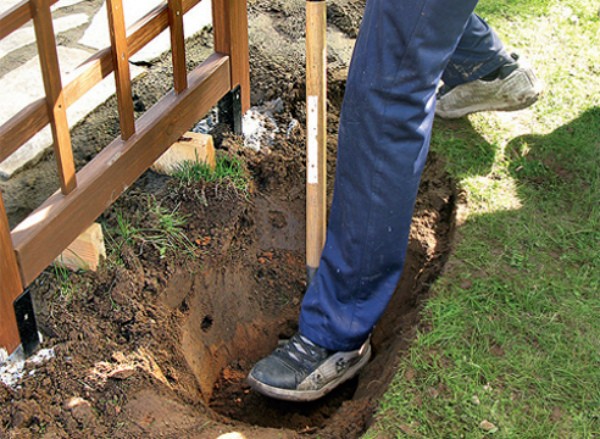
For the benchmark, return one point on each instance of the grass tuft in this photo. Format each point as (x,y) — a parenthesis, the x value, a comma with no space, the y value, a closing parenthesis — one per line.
(156,227)
(228,169)
(66,288)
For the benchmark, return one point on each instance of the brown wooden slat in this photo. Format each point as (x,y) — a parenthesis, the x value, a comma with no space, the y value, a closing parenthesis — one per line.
(120,56)
(177,45)
(221,32)
(100,65)
(240,64)
(90,73)
(57,108)
(10,286)
(152,24)
(22,127)
(16,17)
(230,27)
(55,224)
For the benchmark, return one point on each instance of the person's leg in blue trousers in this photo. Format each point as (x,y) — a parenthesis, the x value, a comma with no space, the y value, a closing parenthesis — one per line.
(400,55)
(479,53)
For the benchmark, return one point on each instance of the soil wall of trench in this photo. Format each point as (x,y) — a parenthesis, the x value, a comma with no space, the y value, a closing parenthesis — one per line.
(159,341)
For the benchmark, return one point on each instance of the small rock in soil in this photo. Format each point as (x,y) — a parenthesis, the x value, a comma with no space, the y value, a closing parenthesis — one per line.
(488,426)
(466,284)
(81,410)
(122,373)
(23,414)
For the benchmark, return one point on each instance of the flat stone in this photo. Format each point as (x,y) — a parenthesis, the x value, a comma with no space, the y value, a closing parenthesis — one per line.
(340,46)
(65,3)
(5,5)
(97,34)
(24,85)
(191,147)
(26,35)
(122,373)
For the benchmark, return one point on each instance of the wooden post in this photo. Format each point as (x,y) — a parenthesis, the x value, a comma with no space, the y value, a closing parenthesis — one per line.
(316,121)
(177,45)
(230,27)
(10,286)
(57,108)
(120,55)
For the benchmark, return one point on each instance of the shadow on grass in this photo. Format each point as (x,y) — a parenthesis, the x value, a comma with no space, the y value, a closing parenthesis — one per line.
(568,155)
(467,153)
(540,202)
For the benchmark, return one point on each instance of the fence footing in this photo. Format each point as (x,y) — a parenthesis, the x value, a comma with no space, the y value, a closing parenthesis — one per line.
(26,323)
(230,110)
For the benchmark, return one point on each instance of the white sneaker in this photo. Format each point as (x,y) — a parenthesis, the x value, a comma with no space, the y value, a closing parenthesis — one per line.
(515,87)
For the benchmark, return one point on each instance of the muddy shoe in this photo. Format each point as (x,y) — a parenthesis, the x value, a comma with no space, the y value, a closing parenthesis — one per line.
(512,87)
(299,370)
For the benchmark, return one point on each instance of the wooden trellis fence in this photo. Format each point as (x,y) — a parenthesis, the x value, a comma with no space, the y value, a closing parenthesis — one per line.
(32,245)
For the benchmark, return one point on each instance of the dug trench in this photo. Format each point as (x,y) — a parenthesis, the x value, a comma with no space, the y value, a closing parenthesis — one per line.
(158,342)
(202,280)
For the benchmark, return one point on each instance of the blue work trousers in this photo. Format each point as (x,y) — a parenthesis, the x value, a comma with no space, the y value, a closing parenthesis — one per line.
(403,49)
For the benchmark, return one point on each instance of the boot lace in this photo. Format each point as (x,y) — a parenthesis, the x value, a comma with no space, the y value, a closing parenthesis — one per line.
(301,353)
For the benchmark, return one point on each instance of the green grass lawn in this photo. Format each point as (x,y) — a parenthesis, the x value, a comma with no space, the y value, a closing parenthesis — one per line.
(514,324)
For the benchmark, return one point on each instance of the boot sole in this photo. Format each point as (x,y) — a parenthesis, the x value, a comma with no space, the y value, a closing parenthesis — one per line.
(457,114)
(308,395)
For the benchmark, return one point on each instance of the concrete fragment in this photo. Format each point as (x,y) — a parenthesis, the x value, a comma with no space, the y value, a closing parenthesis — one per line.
(122,373)
(81,410)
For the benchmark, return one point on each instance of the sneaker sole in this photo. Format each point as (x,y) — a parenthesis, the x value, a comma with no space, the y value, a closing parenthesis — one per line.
(526,99)
(308,395)
(457,114)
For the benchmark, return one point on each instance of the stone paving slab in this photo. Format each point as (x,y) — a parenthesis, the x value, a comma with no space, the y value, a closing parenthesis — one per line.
(24,85)
(26,34)
(7,4)
(97,34)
